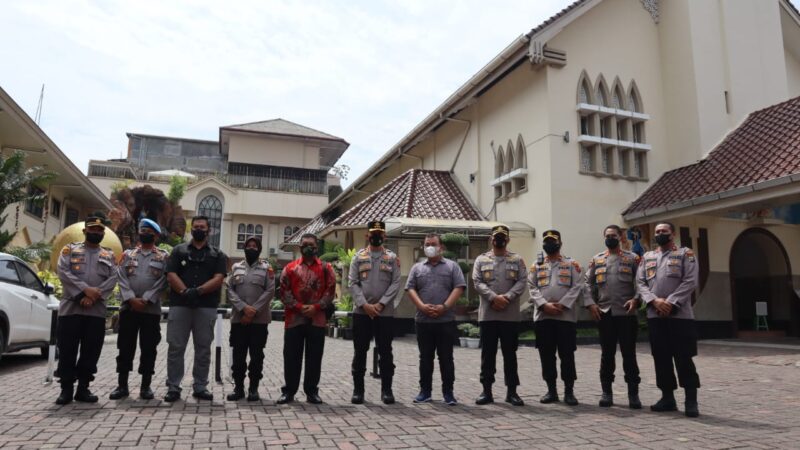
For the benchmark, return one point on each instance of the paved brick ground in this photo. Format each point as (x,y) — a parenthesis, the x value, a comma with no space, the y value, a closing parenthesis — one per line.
(750,398)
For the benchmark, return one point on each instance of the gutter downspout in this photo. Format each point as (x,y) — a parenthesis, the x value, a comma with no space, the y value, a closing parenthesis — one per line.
(400,154)
(463,140)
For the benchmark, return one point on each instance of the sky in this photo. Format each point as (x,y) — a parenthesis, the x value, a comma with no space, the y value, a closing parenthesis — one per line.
(366,71)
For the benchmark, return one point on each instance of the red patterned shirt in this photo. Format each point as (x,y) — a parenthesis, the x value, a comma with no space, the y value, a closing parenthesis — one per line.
(307,284)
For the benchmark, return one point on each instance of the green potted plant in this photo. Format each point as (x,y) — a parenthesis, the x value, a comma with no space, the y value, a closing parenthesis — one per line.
(463,333)
(473,339)
(345,328)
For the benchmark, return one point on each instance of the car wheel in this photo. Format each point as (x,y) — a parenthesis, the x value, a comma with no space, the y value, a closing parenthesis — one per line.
(2,343)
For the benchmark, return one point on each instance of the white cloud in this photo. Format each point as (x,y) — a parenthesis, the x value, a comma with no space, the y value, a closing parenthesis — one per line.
(365,71)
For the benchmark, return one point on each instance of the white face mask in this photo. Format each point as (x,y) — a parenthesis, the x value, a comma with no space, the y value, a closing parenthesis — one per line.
(431,251)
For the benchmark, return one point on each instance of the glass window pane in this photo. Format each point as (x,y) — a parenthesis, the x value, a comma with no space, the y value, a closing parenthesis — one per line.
(29,279)
(8,272)
(259,229)
(586,159)
(250,228)
(211,207)
(241,228)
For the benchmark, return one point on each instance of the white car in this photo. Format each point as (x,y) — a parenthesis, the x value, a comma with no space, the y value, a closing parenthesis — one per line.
(24,317)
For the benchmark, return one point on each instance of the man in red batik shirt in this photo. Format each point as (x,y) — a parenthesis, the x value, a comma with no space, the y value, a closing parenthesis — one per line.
(307,290)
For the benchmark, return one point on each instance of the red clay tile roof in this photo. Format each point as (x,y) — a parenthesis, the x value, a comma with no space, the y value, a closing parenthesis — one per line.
(417,193)
(764,147)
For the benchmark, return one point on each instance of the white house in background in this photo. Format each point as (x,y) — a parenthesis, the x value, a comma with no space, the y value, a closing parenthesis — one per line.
(70,196)
(262,179)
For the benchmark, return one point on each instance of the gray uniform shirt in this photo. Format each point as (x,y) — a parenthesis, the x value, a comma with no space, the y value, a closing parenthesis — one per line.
(499,275)
(141,275)
(252,285)
(555,281)
(374,277)
(671,275)
(434,283)
(611,281)
(80,267)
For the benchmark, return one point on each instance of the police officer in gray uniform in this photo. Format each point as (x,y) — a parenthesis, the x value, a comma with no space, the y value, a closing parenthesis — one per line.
(555,283)
(613,298)
(499,278)
(250,287)
(142,282)
(88,275)
(667,279)
(374,281)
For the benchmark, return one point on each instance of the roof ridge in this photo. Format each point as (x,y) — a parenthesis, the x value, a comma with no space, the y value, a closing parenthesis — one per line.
(410,200)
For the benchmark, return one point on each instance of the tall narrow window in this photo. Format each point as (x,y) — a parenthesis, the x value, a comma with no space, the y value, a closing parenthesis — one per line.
(211,207)
(586,159)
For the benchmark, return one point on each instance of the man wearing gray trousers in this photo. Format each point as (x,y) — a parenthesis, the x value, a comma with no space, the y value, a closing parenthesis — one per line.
(195,271)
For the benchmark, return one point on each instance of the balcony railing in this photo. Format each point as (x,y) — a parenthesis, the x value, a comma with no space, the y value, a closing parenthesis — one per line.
(111,170)
(277,184)
(281,180)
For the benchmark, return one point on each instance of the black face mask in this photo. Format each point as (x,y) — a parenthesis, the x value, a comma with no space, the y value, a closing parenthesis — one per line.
(375,240)
(147,238)
(308,251)
(500,241)
(94,238)
(251,255)
(612,243)
(551,247)
(199,235)
(663,239)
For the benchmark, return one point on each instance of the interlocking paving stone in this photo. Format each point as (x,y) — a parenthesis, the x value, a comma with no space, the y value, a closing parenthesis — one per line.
(749,399)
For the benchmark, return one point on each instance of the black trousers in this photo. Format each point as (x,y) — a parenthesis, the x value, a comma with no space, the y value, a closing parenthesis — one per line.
(84,335)
(145,327)
(508,334)
(557,336)
(674,340)
(364,330)
(436,339)
(246,339)
(622,331)
(297,339)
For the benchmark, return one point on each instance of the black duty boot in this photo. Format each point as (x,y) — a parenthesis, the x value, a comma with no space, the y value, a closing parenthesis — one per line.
(607,398)
(358,390)
(692,409)
(65,397)
(238,391)
(83,394)
(486,396)
(569,395)
(512,397)
(252,392)
(633,397)
(666,403)
(387,396)
(552,394)
(145,393)
(122,387)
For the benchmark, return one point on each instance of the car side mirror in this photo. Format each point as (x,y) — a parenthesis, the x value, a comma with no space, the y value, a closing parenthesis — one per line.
(49,289)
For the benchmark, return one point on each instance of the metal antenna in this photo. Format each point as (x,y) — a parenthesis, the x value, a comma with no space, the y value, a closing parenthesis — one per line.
(39,107)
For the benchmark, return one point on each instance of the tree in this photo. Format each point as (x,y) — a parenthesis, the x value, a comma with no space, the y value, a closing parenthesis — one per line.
(177,187)
(15,179)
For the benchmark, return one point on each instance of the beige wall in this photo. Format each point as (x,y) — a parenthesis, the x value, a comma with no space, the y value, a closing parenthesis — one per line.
(257,149)
(35,227)
(272,231)
(792,75)
(272,210)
